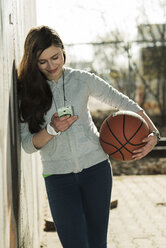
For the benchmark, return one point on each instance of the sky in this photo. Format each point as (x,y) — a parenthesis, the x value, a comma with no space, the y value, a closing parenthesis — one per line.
(82,21)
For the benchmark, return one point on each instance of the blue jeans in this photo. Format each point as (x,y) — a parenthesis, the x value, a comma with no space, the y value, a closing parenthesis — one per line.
(80,204)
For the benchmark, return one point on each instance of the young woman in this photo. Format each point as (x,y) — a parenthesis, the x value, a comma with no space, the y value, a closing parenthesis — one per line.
(76,170)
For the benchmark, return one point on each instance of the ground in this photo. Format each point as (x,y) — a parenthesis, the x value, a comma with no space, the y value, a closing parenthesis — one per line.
(139,221)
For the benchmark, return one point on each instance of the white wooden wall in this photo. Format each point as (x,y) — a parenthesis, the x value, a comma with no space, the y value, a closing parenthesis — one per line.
(20,174)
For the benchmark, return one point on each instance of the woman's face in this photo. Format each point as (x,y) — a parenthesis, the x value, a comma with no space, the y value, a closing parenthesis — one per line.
(51,62)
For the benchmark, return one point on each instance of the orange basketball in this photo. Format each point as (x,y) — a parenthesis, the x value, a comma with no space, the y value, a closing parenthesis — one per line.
(122,133)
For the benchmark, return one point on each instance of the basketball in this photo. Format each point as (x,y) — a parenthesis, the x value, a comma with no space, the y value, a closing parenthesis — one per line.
(122,133)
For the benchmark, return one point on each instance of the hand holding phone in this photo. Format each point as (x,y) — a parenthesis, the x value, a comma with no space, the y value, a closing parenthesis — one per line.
(63,122)
(68,110)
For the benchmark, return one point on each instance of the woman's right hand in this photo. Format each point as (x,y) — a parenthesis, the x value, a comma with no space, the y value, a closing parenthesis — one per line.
(60,124)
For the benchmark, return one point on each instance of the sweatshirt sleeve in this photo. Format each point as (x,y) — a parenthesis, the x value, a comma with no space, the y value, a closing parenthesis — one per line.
(104,92)
(26,139)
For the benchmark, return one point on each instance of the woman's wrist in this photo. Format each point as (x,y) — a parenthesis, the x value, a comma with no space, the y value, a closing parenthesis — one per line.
(157,134)
(50,130)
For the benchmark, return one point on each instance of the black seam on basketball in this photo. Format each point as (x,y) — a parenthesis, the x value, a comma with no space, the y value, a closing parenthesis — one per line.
(121,153)
(112,132)
(122,146)
(128,140)
(108,143)
(118,149)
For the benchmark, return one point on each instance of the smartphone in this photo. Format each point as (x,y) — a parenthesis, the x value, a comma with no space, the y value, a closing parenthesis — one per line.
(68,110)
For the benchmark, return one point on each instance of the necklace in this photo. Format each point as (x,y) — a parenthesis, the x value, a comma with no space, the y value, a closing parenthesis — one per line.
(64,95)
(63,87)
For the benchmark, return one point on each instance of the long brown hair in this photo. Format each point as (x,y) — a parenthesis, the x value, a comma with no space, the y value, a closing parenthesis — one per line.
(34,92)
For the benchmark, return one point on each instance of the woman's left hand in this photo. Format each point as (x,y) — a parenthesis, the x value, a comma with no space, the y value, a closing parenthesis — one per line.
(151,141)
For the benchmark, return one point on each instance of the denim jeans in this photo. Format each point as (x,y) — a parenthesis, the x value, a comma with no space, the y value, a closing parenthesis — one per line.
(80,204)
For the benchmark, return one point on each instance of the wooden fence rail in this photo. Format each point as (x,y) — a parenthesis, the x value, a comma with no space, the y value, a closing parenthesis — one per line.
(160,149)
